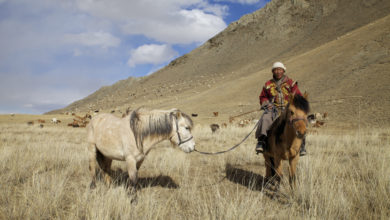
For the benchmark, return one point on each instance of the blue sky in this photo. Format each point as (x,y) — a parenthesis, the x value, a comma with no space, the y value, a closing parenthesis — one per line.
(54,52)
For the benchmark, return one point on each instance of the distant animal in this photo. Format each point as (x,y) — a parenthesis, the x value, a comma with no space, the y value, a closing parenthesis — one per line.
(41,125)
(215,114)
(54,120)
(41,121)
(30,123)
(285,138)
(131,138)
(319,124)
(318,116)
(194,115)
(224,125)
(311,119)
(214,127)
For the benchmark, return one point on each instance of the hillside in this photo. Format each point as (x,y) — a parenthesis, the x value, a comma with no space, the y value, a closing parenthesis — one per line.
(334,48)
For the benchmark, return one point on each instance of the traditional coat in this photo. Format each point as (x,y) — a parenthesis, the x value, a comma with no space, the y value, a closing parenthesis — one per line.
(277,92)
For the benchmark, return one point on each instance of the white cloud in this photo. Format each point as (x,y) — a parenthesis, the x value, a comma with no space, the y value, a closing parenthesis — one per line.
(151,54)
(100,38)
(170,21)
(245,2)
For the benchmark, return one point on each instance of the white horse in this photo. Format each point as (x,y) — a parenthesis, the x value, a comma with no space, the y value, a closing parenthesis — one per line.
(131,138)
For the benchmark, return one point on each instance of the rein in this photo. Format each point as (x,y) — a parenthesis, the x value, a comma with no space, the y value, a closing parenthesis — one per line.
(232,148)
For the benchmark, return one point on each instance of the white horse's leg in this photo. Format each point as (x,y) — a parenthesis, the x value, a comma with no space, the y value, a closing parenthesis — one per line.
(105,164)
(132,170)
(133,176)
(92,164)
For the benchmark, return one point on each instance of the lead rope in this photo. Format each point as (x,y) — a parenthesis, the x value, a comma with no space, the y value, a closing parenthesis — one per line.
(232,148)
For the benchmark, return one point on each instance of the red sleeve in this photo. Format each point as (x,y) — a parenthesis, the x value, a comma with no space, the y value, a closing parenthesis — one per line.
(295,89)
(263,96)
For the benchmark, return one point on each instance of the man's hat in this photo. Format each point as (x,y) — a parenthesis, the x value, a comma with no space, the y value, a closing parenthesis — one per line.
(278,65)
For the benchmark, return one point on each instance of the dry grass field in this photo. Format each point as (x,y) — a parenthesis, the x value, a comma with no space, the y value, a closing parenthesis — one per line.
(44,175)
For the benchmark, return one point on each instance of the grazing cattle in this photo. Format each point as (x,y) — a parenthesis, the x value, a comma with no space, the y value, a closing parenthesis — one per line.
(215,114)
(311,119)
(319,124)
(214,127)
(54,120)
(41,125)
(194,115)
(41,121)
(318,116)
(243,123)
(30,123)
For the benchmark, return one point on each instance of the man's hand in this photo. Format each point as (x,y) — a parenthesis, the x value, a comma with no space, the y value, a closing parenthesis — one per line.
(267,105)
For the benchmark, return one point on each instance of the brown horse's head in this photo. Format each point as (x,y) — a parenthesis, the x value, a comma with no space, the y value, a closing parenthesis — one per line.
(297,111)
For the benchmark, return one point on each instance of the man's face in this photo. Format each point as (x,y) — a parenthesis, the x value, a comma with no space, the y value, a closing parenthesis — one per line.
(278,73)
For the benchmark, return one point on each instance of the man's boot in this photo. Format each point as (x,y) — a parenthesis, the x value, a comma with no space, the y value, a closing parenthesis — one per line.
(303,152)
(261,144)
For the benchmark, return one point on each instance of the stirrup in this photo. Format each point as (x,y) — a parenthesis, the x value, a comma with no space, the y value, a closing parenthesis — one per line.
(302,153)
(260,147)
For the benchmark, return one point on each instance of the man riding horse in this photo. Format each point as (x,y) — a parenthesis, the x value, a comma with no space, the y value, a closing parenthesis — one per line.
(273,100)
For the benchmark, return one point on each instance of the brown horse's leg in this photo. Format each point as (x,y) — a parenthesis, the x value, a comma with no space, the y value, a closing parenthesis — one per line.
(293,166)
(268,167)
(278,168)
(92,164)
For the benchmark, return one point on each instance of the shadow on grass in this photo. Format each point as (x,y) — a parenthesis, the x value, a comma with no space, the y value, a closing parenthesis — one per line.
(246,178)
(121,178)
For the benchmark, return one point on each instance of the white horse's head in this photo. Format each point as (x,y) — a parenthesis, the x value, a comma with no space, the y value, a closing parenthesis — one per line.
(181,132)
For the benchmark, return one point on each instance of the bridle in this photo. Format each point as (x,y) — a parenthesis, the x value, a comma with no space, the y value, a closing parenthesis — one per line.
(178,134)
(292,121)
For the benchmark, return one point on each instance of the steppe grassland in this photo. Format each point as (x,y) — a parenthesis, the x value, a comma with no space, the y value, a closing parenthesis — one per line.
(44,175)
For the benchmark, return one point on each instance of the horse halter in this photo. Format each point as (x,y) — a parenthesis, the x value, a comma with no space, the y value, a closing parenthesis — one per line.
(292,121)
(178,134)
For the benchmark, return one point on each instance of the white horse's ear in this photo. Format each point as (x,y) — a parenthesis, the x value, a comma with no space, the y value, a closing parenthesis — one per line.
(176,112)
(306,95)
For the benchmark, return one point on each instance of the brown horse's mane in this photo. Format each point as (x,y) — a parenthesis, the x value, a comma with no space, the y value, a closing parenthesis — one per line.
(146,124)
(277,127)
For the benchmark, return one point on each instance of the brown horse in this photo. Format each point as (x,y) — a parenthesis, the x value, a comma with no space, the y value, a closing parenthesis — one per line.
(285,138)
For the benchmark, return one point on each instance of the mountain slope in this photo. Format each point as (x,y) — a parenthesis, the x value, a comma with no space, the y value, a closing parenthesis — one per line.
(334,48)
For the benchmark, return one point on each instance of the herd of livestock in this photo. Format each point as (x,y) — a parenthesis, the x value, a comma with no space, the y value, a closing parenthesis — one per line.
(316,120)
